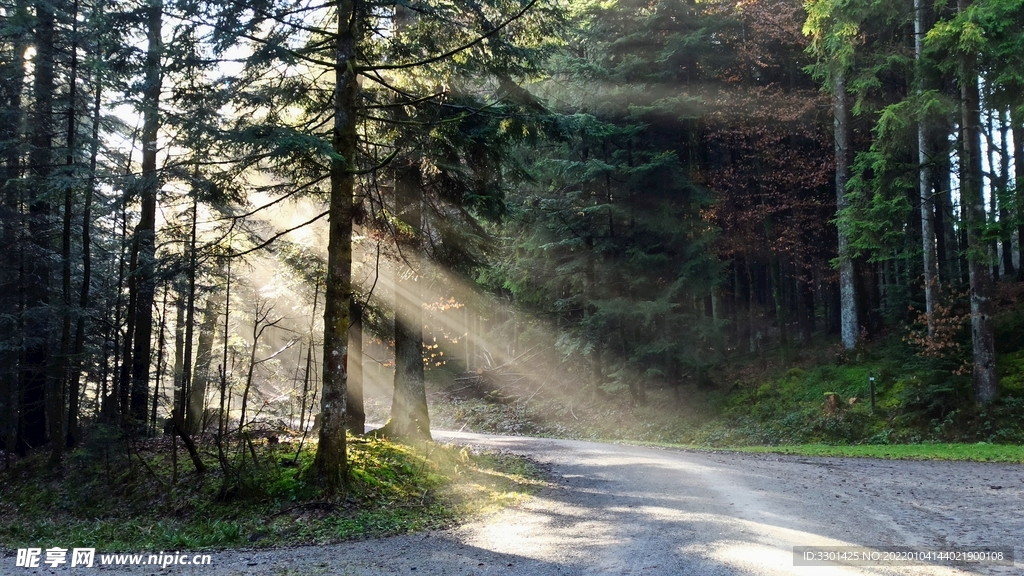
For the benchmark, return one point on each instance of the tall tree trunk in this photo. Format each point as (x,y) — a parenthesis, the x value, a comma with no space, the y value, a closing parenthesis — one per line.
(40,384)
(331,461)
(259,317)
(847,293)
(924,182)
(161,345)
(112,409)
(409,419)
(778,297)
(178,372)
(1005,228)
(354,404)
(83,294)
(64,359)
(979,260)
(124,380)
(945,221)
(989,130)
(222,415)
(805,298)
(11,122)
(204,359)
(190,322)
(753,333)
(145,232)
(309,360)
(1018,172)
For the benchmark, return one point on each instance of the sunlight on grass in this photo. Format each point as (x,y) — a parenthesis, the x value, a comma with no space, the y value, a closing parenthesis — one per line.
(114,504)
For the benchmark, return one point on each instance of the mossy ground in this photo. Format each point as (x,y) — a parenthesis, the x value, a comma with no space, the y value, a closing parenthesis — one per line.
(117,495)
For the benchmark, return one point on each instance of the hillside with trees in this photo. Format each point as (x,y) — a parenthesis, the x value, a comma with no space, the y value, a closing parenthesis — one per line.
(249,232)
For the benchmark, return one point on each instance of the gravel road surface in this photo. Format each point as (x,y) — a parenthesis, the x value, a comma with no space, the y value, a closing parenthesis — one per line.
(620,509)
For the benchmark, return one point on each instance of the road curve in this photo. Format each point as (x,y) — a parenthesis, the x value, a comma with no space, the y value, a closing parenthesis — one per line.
(621,509)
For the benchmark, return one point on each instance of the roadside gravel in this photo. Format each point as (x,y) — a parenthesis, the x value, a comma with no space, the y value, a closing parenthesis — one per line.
(620,509)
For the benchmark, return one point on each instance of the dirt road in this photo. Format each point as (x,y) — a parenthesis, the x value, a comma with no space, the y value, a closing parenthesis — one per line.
(618,509)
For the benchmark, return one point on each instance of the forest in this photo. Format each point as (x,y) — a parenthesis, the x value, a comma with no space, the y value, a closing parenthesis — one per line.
(227,225)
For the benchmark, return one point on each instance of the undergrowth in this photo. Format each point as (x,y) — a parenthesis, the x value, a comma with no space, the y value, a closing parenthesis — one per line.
(118,495)
(811,394)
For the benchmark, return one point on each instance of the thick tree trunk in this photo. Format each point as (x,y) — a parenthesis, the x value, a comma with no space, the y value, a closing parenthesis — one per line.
(145,232)
(409,418)
(331,461)
(11,122)
(42,392)
(979,260)
(847,293)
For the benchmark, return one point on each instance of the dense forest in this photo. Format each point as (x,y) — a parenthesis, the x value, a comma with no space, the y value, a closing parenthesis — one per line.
(216,214)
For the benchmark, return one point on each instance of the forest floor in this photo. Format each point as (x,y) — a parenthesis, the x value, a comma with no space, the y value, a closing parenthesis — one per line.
(618,509)
(116,494)
(813,394)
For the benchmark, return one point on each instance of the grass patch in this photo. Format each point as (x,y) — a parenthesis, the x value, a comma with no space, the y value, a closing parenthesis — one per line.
(117,496)
(981,452)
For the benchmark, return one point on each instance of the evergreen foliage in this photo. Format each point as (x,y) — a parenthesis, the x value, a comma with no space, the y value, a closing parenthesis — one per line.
(649,190)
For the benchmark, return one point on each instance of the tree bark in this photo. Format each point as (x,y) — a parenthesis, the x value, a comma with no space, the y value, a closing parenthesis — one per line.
(847,293)
(989,130)
(331,460)
(145,232)
(1018,172)
(924,181)
(190,322)
(11,136)
(39,381)
(979,260)
(409,418)
(204,359)
(945,221)
(354,404)
(309,361)
(1005,228)
(178,372)
(161,345)
(83,294)
(11,122)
